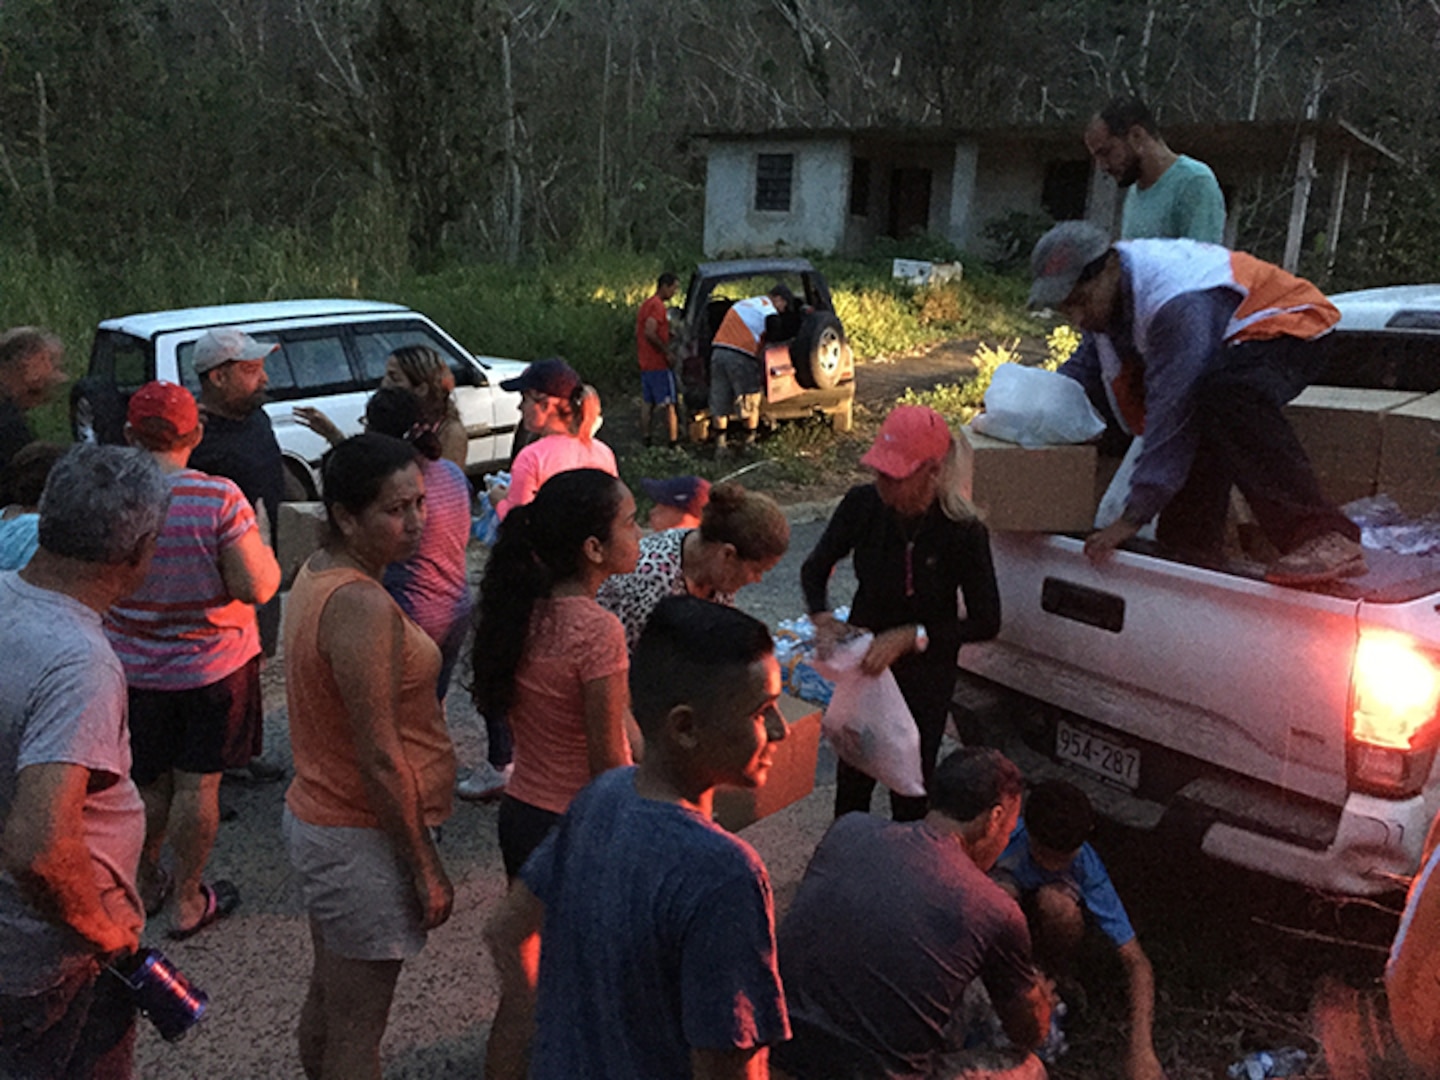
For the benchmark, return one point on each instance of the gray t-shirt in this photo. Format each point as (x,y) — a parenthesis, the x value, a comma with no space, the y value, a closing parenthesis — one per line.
(891,923)
(62,700)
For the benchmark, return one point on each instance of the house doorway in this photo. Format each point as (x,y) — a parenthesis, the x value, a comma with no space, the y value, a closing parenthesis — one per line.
(909,201)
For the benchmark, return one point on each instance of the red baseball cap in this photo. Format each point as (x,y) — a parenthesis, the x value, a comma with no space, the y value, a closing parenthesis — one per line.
(161,400)
(910,436)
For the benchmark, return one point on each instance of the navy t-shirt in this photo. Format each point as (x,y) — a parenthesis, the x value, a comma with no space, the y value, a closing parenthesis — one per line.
(246,452)
(659,938)
(892,921)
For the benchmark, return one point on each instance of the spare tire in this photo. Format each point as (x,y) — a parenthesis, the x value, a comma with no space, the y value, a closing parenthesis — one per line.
(97,412)
(816,351)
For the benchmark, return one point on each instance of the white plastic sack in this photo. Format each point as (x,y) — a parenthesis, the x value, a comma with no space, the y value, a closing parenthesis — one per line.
(869,723)
(1112,503)
(1035,407)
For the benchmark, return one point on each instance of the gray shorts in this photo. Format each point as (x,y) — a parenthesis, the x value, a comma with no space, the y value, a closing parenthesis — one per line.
(734,383)
(356,890)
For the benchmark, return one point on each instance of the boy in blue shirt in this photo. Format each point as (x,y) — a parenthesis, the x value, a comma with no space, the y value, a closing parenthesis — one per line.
(1058,878)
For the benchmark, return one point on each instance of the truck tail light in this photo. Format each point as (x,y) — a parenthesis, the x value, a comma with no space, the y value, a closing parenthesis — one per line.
(1394,715)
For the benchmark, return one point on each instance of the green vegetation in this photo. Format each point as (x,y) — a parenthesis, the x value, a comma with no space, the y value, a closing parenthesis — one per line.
(959,402)
(581,306)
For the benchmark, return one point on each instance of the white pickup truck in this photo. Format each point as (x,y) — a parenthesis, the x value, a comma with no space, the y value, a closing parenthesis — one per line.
(1290,731)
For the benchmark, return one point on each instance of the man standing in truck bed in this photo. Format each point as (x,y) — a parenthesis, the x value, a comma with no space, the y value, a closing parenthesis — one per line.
(1199,349)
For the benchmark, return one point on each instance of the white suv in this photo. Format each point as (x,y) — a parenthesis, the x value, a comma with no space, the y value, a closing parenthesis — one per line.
(331,356)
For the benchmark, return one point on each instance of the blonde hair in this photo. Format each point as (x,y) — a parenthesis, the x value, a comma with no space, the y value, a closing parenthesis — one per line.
(955,485)
(581,413)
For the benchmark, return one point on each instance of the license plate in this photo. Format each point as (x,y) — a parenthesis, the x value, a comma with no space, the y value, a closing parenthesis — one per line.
(1098,755)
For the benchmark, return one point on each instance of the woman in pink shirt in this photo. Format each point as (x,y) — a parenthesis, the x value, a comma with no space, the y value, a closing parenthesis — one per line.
(563,412)
(548,655)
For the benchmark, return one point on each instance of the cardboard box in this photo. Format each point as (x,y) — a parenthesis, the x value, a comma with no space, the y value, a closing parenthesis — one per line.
(1410,456)
(1340,429)
(1034,489)
(301,529)
(791,777)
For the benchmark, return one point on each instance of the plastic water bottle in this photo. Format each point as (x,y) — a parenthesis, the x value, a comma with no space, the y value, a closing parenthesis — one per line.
(1289,1061)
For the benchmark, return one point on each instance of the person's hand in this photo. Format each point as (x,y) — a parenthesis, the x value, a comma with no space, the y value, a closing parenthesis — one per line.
(888,646)
(435,893)
(828,632)
(496,492)
(112,939)
(1142,1064)
(318,422)
(1099,545)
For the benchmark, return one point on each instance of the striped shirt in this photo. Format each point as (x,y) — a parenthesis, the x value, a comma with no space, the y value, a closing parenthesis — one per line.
(182,630)
(430,586)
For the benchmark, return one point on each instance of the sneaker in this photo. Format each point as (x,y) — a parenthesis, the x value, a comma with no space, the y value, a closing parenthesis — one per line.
(1319,559)
(485,782)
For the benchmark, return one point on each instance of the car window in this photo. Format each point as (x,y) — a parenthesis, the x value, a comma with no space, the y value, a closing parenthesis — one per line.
(374,343)
(131,358)
(315,363)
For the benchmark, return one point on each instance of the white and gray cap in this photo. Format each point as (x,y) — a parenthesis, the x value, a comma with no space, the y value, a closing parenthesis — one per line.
(1060,256)
(221,346)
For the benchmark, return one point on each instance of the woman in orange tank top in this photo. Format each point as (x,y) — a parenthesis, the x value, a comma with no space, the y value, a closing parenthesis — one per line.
(374,766)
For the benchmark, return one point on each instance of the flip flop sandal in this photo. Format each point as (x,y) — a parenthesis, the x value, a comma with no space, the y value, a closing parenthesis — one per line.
(164,886)
(221,899)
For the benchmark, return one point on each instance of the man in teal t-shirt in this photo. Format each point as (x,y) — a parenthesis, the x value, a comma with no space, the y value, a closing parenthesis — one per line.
(1168,195)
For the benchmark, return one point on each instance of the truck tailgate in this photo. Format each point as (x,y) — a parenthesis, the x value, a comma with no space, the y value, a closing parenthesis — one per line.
(1248,677)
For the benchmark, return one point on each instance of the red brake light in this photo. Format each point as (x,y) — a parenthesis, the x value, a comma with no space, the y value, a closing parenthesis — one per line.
(1394,705)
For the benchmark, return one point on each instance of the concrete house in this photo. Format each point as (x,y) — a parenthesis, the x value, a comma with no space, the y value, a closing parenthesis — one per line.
(837,190)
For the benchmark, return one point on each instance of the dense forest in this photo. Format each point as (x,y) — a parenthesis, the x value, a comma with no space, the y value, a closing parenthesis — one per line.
(492,130)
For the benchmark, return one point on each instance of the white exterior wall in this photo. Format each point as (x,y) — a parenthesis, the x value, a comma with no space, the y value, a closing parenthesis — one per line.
(1003,183)
(819,199)
(962,194)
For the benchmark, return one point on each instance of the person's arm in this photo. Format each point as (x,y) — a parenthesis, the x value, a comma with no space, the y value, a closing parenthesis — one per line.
(362,635)
(43,849)
(607,703)
(524,482)
(978,586)
(751,1064)
(652,333)
(837,541)
(1141,1063)
(249,569)
(1026,1016)
(1185,337)
(312,418)
(513,935)
(454,443)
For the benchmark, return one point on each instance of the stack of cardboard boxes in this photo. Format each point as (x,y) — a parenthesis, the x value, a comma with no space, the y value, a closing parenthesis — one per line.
(1360,442)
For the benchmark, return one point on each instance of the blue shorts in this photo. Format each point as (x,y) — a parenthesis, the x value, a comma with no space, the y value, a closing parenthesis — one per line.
(658,387)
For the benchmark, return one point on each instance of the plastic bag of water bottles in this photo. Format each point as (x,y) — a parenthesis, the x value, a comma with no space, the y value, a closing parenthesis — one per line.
(1288,1061)
(486,524)
(795,649)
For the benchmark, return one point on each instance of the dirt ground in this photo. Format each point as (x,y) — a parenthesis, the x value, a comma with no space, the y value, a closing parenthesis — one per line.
(1239,959)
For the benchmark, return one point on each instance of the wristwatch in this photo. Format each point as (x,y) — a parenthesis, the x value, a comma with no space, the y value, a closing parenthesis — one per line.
(922,639)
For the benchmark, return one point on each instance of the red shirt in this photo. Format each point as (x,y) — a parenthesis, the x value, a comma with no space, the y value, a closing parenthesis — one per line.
(651,358)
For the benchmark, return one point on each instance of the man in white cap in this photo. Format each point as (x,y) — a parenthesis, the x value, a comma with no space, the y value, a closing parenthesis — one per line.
(240,445)
(1199,348)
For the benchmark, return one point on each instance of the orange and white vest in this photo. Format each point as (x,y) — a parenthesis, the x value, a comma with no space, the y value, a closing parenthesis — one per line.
(744,325)
(1273,303)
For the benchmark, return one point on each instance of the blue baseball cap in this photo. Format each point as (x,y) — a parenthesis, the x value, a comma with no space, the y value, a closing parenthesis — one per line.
(688,493)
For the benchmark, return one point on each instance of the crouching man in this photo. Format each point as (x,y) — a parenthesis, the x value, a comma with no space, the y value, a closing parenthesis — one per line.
(891,924)
(658,954)
(72,819)
(1061,883)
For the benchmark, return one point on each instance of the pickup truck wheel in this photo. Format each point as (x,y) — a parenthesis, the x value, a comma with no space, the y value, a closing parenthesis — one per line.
(817,350)
(842,420)
(97,413)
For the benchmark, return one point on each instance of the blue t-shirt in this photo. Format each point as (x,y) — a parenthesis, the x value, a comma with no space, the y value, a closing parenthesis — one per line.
(1086,873)
(659,938)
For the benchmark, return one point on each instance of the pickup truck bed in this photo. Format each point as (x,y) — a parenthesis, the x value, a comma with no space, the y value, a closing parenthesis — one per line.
(1203,701)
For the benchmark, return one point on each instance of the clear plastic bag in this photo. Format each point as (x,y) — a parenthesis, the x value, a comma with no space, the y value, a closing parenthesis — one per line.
(1036,407)
(868,722)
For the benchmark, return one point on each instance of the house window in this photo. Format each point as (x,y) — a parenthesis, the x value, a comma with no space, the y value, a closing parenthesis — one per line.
(772,181)
(859,187)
